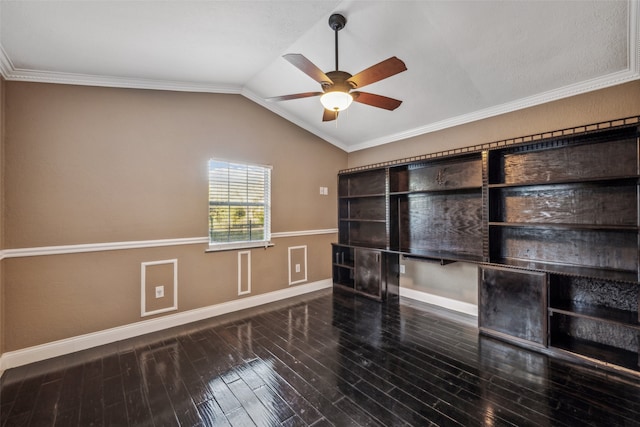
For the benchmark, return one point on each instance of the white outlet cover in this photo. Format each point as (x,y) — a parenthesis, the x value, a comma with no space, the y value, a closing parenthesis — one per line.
(401,268)
(159,291)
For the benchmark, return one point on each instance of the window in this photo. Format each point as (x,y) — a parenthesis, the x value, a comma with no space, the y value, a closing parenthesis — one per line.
(239,205)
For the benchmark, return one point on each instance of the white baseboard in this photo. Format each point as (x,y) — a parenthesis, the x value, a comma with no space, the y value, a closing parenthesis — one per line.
(37,353)
(451,304)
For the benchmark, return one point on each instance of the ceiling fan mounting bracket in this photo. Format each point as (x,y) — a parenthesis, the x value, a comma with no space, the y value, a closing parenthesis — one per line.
(337,22)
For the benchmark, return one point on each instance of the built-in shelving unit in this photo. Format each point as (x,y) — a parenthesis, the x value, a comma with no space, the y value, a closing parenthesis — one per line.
(552,219)
(362,209)
(569,202)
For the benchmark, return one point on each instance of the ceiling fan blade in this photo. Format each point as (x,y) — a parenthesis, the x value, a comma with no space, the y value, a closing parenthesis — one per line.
(307,67)
(376,100)
(329,115)
(294,96)
(381,70)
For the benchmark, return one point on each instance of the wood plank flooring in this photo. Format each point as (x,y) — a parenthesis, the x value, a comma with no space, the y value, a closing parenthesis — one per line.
(318,360)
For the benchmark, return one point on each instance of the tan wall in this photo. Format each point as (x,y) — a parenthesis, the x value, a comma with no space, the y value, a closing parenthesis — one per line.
(95,165)
(459,281)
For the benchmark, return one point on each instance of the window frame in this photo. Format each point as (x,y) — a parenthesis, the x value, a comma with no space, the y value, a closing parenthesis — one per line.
(266,170)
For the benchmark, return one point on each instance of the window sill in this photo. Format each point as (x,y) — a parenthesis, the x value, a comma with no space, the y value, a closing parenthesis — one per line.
(239,245)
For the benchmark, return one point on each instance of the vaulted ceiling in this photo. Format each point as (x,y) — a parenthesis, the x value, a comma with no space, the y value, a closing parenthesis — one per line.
(466,60)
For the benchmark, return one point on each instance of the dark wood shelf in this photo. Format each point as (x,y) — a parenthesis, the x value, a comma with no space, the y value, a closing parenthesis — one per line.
(548,225)
(604,314)
(586,180)
(366,245)
(472,189)
(349,266)
(437,255)
(362,196)
(362,220)
(570,270)
(608,354)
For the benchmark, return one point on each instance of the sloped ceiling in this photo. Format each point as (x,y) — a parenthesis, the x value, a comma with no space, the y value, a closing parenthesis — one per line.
(466,60)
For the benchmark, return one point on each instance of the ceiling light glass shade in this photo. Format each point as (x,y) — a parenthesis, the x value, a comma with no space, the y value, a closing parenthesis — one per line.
(336,100)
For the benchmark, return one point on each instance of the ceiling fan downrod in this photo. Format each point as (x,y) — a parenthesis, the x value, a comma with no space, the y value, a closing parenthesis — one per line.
(337,22)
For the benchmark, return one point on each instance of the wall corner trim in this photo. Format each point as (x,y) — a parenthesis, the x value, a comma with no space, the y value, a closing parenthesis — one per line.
(448,303)
(37,353)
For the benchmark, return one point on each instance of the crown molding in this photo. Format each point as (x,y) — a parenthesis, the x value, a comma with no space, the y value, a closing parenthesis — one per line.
(110,81)
(543,98)
(9,72)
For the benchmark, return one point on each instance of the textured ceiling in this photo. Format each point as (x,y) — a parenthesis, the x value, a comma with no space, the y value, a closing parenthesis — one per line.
(466,60)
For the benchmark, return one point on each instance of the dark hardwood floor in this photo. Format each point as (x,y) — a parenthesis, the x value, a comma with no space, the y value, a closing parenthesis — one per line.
(321,359)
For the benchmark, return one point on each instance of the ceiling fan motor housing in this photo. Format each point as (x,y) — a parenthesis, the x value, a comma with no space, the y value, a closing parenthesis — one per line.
(339,79)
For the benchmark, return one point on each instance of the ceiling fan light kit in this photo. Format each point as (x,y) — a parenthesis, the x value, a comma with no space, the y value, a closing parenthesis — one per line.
(337,86)
(336,100)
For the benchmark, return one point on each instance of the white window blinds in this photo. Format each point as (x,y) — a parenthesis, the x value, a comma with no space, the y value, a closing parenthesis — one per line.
(239,203)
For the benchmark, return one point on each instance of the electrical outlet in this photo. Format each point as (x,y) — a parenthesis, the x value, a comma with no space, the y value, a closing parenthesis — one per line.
(297,268)
(401,268)
(159,291)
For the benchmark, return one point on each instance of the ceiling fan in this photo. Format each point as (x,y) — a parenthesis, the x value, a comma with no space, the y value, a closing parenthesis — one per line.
(338,86)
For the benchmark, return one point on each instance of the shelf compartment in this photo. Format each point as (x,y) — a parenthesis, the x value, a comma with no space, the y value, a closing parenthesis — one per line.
(343,276)
(439,222)
(592,338)
(454,173)
(373,182)
(371,234)
(370,208)
(599,249)
(576,204)
(579,158)
(595,299)
(343,256)
(612,315)
(596,332)
(608,354)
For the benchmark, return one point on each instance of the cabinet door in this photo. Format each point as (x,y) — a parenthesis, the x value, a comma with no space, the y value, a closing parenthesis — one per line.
(368,277)
(514,303)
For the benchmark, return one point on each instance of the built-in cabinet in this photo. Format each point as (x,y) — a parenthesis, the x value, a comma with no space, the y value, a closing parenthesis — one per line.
(514,304)
(370,272)
(552,220)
